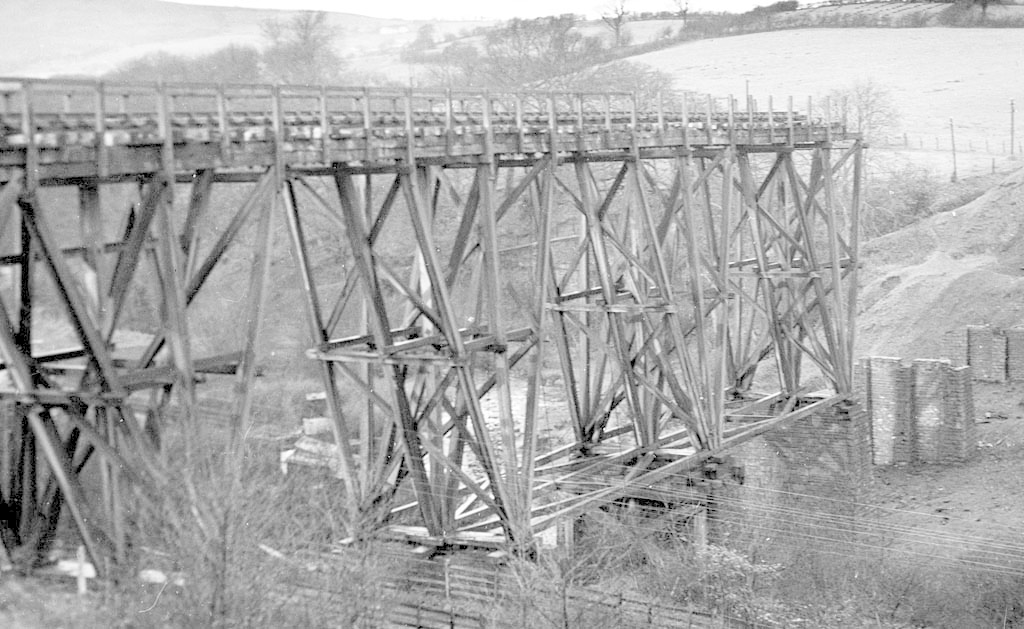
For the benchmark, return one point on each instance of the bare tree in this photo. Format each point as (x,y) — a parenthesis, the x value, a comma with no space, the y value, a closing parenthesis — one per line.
(682,9)
(301,50)
(533,53)
(984,5)
(615,19)
(625,76)
(866,106)
(545,54)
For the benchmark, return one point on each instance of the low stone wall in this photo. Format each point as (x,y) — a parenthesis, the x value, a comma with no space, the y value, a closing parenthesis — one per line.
(920,412)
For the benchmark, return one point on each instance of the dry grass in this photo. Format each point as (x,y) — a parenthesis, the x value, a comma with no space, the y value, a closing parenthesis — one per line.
(246,542)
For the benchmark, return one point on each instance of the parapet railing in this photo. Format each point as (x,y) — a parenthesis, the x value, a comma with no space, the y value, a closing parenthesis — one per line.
(360,123)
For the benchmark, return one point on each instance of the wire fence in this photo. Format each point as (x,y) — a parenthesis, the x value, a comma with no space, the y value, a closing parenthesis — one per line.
(432,594)
(947,143)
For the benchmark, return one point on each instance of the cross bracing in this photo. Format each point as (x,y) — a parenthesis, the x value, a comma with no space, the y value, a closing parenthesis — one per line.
(656,264)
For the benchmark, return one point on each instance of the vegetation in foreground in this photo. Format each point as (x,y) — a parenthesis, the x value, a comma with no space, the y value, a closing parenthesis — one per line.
(264,553)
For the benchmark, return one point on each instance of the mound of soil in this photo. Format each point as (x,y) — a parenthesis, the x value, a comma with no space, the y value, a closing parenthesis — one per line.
(924,283)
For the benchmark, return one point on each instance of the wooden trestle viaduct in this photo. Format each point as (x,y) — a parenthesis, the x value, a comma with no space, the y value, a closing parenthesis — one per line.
(647,259)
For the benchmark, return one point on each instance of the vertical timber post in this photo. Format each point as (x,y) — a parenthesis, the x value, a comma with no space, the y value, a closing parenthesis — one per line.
(100,129)
(318,336)
(853,278)
(171,268)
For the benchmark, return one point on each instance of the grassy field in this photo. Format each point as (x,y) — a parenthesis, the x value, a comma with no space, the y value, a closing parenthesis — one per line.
(933,74)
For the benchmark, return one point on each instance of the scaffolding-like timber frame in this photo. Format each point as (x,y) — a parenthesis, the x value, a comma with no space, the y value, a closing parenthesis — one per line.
(652,259)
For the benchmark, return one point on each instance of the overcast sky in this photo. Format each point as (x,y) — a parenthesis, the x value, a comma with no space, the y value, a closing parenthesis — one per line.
(470,9)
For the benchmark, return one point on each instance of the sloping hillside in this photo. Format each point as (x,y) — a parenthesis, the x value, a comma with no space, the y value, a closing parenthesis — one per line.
(93,36)
(891,14)
(933,278)
(933,74)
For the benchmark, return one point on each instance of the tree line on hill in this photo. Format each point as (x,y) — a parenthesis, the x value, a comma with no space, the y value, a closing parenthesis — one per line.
(548,53)
(545,53)
(541,54)
(552,52)
(428,49)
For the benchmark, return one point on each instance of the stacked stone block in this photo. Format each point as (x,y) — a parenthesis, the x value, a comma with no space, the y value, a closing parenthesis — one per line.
(817,464)
(861,393)
(986,353)
(1015,354)
(827,454)
(918,412)
(738,510)
(954,347)
(930,412)
(995,355)
(889,385)
(959,438)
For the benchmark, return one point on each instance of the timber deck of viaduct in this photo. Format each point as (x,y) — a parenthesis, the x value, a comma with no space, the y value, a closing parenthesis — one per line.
(70,131)
(709,236)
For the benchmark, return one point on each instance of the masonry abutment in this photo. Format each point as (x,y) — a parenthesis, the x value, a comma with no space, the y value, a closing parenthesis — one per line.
(817,464)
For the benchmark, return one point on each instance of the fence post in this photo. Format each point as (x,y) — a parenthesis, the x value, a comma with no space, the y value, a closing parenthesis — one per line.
(325,128)
(952,141)
(447,581)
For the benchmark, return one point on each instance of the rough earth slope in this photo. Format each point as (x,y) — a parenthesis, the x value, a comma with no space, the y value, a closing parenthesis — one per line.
(926,282)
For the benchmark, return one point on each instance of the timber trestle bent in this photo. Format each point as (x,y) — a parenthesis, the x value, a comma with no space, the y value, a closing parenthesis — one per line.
(496,260)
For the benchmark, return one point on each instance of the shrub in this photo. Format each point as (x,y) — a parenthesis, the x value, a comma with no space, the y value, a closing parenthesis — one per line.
(958,14)
(729,583)
(896,198)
